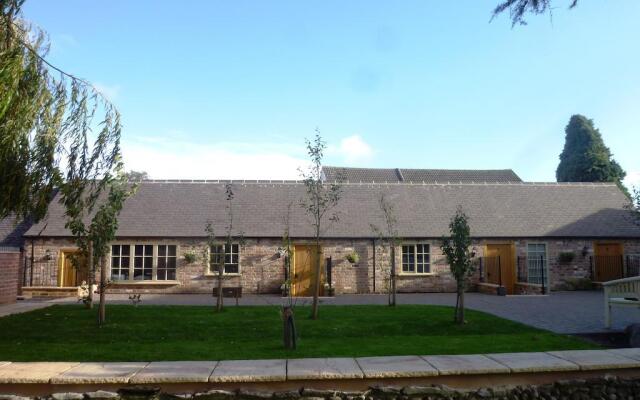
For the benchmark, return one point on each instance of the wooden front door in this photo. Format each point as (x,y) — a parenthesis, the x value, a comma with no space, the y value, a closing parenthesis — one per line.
(608,261)
(304,257)
(501,265)
(71,273)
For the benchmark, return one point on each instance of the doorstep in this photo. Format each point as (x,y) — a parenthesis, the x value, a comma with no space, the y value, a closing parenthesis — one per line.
(347,373)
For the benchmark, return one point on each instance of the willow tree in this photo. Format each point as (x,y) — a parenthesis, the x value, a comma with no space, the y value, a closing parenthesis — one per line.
(321,199)
(56,129)
(518,9)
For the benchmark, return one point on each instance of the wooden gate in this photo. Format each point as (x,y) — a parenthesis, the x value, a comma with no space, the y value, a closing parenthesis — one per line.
(608,261)
(72,269)
(500,268)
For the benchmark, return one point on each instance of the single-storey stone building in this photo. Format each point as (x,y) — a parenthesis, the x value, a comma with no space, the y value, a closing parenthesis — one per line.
(527,236)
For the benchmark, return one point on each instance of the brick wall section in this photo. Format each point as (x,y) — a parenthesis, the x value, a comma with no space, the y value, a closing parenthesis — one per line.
(262,271)
(9,275)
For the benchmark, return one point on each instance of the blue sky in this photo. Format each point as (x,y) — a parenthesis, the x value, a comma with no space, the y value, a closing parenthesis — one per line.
(213,89)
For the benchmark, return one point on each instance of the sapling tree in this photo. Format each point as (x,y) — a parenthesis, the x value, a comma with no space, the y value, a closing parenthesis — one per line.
(218,249)
(319,204)
(389,238)
(634,205)
(456,248)
(288,320)
(93,239)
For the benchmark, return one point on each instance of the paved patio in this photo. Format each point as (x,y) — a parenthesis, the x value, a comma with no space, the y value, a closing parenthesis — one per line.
(561,312)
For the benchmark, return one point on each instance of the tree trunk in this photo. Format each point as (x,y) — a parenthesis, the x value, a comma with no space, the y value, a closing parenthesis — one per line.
(89,303)
(460,305)
(103,296)
(220,298)
(455,311)
(393,275)
(316,285)
(289,328)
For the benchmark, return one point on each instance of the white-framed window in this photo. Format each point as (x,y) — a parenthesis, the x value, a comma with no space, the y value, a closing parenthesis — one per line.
(536,262)
(416,258)
(167,261)
(143,262)
(120,262)
(226,255)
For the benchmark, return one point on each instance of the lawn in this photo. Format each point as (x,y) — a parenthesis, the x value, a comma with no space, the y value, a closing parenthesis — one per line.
(145,333)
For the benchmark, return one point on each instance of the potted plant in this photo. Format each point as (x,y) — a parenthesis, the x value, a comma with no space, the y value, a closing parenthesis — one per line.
(353,257)
(566,256)
(190,257)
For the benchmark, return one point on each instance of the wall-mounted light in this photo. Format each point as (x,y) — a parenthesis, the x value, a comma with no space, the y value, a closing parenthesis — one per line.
(585,251)
(47,255)
(281,252)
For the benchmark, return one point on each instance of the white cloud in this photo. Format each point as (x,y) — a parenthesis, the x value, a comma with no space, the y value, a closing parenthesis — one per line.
(353,149)
(111,92)
(632,179)
(168,158)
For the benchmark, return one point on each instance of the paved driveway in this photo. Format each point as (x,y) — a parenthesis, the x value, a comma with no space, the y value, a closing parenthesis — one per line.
(562,312)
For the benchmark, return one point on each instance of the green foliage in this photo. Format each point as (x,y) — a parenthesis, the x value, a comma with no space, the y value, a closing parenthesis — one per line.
(190,257)
(353,257)
(153,333)
(136,176)
(457,247)
(55,129)
(457,250)
(585,158)
(519,8)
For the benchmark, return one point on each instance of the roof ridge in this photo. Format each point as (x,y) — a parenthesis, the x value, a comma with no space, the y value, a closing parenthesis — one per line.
(403,182)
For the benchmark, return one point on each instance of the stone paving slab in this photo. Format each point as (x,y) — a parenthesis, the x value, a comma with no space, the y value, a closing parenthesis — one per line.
(533,362)
(633,352)
(3,363)
(596,359)
(33,372)
(175,371)
(90,373)
(395,367)
(469,364)
(250,371)
(323,368)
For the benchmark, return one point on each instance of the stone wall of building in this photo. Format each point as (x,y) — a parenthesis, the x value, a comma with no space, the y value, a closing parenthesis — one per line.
(10,261)
(262,269)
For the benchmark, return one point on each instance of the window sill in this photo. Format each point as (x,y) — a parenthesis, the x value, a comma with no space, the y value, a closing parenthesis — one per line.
(213,275)
(168,283)
(413,275)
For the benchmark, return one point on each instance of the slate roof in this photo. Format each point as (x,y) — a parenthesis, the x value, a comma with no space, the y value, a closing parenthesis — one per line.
(381,175)
(11,231)
(181,209)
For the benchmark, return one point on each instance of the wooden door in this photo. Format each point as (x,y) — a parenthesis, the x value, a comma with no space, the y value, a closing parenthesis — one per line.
(501,265)
(304,257)
(608,261)
(71,274)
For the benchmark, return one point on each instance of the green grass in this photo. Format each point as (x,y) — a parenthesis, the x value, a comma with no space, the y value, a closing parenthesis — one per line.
(146,333)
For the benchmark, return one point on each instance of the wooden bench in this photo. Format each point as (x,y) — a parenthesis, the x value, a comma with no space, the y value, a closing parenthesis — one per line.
(620,292)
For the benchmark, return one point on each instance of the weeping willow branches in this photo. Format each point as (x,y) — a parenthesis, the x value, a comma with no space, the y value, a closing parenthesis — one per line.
(519,8)
(56,130)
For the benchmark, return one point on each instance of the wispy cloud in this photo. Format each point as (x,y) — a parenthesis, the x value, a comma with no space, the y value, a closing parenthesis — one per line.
(111,92)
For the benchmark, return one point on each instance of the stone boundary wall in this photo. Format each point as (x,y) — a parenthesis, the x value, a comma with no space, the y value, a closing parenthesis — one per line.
(609,387)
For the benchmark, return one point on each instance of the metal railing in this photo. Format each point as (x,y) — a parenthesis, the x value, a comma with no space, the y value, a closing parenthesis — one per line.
(532,270)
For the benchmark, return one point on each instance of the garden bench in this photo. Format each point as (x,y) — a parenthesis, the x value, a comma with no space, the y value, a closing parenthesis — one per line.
(620,292)
(232,292)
